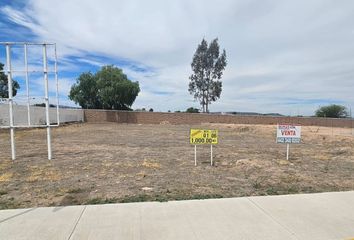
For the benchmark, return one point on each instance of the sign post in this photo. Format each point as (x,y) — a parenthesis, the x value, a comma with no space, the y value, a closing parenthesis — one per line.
(201,136)
(195,155)
(211,154)
(287,151)
(288,134)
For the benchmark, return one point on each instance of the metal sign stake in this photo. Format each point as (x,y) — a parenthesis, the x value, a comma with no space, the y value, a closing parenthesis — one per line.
(211,154)
(287,151)
(195,155)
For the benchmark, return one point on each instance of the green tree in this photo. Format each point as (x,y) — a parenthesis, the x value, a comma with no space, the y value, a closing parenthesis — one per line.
(109,88)
(4,89)
(192,110)
(332,111)
(207,66)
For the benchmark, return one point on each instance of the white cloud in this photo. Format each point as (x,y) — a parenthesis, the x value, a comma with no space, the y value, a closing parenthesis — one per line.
(276,49)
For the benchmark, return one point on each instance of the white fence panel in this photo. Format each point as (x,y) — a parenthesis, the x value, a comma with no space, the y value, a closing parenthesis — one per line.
(38,117)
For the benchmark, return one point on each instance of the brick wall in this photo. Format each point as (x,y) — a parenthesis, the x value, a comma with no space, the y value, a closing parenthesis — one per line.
(198,118)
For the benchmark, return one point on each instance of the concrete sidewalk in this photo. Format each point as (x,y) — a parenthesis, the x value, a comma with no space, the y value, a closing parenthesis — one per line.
(306,216)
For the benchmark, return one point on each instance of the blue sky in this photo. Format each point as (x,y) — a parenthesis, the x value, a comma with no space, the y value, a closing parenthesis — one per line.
(283,56)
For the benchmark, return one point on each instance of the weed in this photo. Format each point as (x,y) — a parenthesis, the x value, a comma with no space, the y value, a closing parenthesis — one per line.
(326,168)
(205,196)
(3,192)
(137,198)
(99,200)
(165,198)
(9,204)
(272,191)
(292,189)
(244,129)
(257,184)
(75,190)
(282,190)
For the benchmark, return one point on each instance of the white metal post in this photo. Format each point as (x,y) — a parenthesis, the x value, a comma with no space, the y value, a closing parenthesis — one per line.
(287,151)
(195,155)
(27,86)
(9,85)
(211,154)
(45,71)
(56,81)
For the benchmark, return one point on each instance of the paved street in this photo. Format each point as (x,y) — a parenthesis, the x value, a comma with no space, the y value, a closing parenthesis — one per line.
(306,216)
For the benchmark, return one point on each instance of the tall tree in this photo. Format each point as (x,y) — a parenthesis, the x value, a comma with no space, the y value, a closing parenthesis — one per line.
(332,111)
(109,88)
(207,66)
(4,88)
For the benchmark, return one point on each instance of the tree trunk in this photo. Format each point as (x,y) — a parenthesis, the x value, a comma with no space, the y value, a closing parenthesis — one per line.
(203,102)
(206,97)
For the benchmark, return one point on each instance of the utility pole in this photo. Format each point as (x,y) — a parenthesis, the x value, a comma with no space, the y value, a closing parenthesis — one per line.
(351,120)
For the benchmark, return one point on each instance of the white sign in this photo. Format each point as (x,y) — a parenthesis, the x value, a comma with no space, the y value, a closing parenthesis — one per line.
(288,133)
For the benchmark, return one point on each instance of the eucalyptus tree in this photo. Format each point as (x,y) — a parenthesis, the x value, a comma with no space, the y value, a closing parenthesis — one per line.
(207,65)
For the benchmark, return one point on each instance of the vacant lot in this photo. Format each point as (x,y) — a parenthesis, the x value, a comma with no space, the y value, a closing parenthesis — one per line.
(99,163)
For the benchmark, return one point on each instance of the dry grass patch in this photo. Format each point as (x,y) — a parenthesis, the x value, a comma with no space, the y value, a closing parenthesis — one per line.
(151,164)
(42,174)
(109,162)
(6,177)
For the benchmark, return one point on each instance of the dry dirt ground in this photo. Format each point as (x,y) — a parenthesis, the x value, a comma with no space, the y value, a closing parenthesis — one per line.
(103,163)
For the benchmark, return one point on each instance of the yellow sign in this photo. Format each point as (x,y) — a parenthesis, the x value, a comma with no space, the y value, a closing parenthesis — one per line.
(200,136)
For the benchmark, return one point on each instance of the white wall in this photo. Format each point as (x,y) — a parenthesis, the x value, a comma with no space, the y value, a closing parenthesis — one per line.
(38,115)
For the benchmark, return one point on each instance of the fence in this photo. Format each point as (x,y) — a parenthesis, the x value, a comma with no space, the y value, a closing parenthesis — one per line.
(38,115)
(198,118)
(97,116)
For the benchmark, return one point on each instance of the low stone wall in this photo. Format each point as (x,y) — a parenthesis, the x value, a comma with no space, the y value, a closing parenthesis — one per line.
(198,118)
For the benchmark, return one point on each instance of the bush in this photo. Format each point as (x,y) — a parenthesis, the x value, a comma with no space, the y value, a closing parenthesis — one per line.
(192,110)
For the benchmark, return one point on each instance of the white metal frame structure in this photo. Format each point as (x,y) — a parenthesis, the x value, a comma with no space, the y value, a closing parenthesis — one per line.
(9,71)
